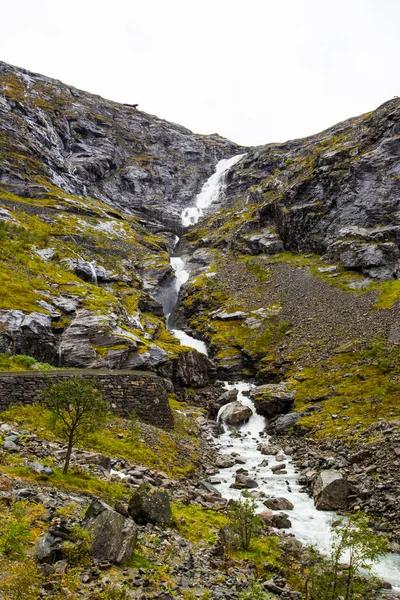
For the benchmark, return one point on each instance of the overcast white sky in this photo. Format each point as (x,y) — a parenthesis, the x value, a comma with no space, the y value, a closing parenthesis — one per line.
(254,71)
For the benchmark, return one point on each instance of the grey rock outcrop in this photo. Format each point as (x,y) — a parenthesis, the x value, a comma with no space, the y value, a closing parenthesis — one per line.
(93,147)
(272,399)
(330,491)
(150,505)
(31,334)
(334,193)
(114,535)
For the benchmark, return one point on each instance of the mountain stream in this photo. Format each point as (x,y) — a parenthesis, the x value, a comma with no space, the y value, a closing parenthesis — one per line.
(309,525)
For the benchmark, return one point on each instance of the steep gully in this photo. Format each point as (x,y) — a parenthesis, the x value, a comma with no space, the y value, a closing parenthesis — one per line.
(309,525)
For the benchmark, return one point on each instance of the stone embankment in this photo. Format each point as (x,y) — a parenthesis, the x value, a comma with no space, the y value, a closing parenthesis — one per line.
(126,391)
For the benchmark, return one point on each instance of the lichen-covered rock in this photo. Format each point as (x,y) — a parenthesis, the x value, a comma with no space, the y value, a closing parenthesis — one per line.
(150,505)
(272,399)
(331,490)
(114,535)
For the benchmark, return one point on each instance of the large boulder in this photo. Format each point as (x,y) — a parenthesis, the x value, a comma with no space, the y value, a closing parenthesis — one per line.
(235,413)
(192,369)
(272,399)
(150,505)
(88,331)
(278,504)
(114,535)
(330,491)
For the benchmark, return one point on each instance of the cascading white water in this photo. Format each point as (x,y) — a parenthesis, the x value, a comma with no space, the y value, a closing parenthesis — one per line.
(209,192)
(93,272)
(309,525)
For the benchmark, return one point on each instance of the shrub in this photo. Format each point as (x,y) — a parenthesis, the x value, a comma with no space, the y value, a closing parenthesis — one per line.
(352,540)
(14,533)
(77,551)
(244,520)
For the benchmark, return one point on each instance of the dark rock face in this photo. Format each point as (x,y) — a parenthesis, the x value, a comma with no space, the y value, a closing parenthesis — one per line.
(150,505)
(335,193)
(93,147)
(114,535)
(272,399)
(193,369)
(330,491)
(30,334)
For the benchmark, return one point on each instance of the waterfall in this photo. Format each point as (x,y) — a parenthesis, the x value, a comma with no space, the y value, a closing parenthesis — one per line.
(92,267)
(309,525)
(209,192)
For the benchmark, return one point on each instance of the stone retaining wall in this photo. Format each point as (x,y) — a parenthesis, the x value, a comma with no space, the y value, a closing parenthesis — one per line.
(126,391)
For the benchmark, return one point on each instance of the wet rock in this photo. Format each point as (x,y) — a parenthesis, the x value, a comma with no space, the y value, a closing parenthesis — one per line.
(244,481)
(278,504)
(150,505)
(330,491)
(281,521)
(268,449)
(114,535)
(266,515)
(235,413)
(276,469)
(272,399)
(225,462)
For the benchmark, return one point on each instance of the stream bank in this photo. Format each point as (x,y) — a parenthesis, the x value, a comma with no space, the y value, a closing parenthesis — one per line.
(275,476)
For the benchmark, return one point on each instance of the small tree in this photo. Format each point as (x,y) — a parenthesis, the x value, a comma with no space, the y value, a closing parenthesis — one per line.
(77,409)
(244,520)
(353,542)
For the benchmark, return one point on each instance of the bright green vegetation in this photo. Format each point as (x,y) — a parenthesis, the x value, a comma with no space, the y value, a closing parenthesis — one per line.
(356,387)
(119,244)
(76,408)
(244,521)
(175,452)
(195,523)
(19,362)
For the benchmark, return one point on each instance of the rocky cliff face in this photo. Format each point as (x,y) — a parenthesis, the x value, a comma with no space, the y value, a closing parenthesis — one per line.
(55,135)
(87,185)
(336,193)
(83,184)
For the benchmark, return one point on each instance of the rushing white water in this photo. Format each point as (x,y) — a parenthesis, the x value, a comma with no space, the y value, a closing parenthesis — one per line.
(309,525)
(209,192)
(169,300)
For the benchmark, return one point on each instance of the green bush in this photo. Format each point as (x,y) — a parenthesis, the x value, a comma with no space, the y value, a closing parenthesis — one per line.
(244,520)
(14,533)
(77,551)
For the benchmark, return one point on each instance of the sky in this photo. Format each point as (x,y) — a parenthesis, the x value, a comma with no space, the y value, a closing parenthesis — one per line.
(254,71)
